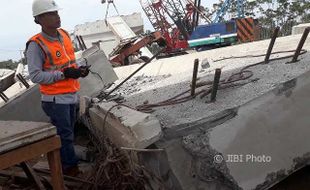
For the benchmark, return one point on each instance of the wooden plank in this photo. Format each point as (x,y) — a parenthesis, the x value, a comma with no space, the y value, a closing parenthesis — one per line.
(29,151)
(56,170)
(32,175)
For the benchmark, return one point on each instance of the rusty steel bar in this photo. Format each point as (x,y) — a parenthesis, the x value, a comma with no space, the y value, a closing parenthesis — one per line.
(80,43)
(22,80)
(216,81)
(271,44)
(4,97)
(82,40)
(301,44)
(194,80)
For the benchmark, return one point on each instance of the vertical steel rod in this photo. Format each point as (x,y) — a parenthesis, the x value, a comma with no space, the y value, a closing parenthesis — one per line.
(271,44)
(194,80)
(22,80)
(4,97)
(301,44)
(80,43)
(216,81)
(82,40)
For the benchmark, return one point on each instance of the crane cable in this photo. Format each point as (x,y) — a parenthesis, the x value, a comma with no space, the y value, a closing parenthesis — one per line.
(107,11)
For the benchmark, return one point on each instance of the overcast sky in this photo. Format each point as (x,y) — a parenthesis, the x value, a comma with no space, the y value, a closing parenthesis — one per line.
(17,24)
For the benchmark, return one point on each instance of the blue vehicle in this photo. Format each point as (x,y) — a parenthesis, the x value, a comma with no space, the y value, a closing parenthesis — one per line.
(215,34)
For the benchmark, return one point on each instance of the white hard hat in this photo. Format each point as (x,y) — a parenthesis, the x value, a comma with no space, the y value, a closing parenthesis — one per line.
(43,6)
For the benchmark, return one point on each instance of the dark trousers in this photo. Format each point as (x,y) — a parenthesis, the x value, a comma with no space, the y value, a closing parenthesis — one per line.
(63,117)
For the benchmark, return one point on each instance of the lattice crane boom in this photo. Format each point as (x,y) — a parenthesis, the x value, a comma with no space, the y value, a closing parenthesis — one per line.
(166,16)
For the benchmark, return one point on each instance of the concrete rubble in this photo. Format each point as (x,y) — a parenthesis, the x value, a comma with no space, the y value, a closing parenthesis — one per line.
(126,126)
(257,117)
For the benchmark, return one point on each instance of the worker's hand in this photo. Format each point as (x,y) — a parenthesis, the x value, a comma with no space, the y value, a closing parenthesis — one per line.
(84,71)
(71,72)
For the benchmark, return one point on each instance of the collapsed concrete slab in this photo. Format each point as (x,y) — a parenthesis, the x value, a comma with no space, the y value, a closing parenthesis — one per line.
(23,105)
(101,72)
(300,28)
(126,127)
(252,146)
(263,78)
(263,144)
(197,134)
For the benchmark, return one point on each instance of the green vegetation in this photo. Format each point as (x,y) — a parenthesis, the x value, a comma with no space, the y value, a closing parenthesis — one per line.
(9,64)
(273,13)
(282,13)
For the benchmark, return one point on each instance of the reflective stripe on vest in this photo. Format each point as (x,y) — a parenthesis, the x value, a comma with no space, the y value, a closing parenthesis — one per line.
(61,67)
(48,53)
(58,55)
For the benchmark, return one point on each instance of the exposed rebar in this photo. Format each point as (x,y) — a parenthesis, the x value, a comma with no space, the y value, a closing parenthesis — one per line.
(194,80)
(300,45)
(271,44)
(216,81)
(22,80)
(82,41)
(4,97)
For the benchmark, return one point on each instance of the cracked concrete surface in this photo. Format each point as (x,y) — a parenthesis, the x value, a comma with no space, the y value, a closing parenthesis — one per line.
(269,76)
(273,125)
(124,126)
(266,117)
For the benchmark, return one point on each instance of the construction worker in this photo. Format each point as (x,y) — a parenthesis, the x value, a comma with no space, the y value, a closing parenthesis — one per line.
(51,63)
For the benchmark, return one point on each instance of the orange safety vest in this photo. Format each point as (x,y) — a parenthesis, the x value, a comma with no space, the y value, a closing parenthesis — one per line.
(57,57)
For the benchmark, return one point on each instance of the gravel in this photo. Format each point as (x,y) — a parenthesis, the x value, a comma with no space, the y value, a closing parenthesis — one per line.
(152,89)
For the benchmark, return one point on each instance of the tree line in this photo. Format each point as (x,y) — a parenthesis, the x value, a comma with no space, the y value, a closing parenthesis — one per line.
(9,64)
(273,13)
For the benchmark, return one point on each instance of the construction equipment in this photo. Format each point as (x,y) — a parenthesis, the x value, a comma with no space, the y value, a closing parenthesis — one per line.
(172,19)
(131,47)
(108,6)
(178,23)
(219,32)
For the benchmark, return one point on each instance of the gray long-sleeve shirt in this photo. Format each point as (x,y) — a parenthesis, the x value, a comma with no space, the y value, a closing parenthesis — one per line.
(35,60)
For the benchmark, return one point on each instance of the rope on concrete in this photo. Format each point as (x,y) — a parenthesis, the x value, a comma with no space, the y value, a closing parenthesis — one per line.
(243,75)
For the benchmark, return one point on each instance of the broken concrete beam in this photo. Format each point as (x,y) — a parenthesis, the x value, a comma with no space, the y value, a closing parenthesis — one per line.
(22,99)
(101,75)
(299,29)
(124,126)
(263,144)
